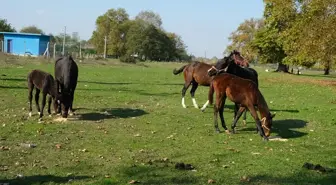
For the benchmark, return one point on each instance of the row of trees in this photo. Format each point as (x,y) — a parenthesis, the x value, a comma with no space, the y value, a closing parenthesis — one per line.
(296,32)
(143,37)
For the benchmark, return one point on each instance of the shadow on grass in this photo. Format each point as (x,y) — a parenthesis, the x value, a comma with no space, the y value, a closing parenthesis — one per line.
(12,87)
(149,175)
(40,179)
(15,79)
(112,113)
(302,177)
(283,128)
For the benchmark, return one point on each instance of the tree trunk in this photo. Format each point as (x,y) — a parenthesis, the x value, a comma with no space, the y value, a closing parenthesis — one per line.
(282,68)
(327,68)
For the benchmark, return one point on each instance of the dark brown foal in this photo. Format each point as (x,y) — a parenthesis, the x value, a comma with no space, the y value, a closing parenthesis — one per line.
(245,93)
(44,82)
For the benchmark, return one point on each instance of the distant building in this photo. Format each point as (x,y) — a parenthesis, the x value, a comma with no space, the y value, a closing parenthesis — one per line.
(24,43)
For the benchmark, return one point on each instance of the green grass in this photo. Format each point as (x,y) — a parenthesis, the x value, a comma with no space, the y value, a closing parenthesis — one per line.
(146,130)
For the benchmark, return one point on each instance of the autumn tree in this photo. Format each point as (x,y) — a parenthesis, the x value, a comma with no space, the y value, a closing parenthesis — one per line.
(242,38)
(32,29)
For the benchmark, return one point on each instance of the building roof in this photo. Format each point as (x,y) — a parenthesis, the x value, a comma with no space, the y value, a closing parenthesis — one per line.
(28,34)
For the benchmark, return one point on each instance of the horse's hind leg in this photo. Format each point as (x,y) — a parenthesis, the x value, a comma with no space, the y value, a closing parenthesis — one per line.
(244,117)
(37,93)
(192,93)
(238,115)
(184,90)
(30,97)
(49,104)
(71,103)
(221,113)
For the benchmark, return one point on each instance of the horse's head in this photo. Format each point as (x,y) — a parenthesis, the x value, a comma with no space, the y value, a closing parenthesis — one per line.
(266,124)
(239,59)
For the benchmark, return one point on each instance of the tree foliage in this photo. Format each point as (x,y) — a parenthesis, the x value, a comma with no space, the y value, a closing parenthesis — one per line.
(5,26)
(297,32)
(150,17)
(242,38)
(142,37)
(32,29)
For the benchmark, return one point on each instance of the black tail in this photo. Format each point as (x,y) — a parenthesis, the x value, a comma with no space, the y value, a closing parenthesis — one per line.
(175,71)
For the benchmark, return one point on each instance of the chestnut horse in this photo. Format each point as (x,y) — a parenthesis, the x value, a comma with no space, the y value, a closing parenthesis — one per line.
(229,65)
(245,93)
(44,82)
(196,73)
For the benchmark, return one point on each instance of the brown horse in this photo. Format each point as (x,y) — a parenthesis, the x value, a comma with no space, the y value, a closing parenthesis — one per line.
(245,93)
(196,73)
(239,60)
(44,82)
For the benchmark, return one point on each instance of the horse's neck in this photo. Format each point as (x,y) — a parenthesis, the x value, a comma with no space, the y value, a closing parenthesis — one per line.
(262,106)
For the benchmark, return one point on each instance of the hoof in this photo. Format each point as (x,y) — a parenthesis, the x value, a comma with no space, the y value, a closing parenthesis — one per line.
(40,120)
(71,114)
(39,113)
(218,131)
(227,132)
(50,115)
(234,131)
(184,106)
(266,139)
(202,109)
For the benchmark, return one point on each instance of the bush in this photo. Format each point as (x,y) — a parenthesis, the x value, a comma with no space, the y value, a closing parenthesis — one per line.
(127,59)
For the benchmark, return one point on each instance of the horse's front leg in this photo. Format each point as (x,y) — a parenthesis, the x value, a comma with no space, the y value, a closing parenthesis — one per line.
(258,123)
(44,99)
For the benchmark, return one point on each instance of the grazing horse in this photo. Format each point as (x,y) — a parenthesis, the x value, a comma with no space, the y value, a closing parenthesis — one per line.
(44,82)
(196,73)
(229,65)
(245,93)
(66,75)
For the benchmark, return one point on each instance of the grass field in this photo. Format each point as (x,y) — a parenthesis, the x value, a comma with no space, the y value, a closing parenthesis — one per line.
(131,126)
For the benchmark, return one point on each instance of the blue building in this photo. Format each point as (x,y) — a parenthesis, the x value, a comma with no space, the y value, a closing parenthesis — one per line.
(24,43)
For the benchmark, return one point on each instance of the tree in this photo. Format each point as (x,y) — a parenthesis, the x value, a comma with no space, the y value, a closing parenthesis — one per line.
(313,33)
(268,42)
(242,38)
(31,29)
(150,17)
(5,26)
(111,25)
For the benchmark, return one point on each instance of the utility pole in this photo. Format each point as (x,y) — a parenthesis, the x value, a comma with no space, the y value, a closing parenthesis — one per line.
(80,50)
(205,54)
(64,40)
(55,50)
(105,39)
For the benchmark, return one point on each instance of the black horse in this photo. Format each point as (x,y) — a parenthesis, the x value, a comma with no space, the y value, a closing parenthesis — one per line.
(228,65)
(44,82)
(66,75)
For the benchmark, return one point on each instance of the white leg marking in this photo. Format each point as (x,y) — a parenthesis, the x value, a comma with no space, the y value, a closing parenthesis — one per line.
(195,103)
(183,104)
(30,114)
(205,106)
(40,120)
(39,113)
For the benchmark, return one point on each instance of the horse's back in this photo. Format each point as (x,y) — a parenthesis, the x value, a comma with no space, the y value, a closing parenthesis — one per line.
(39,78)
(66,71)
(200,73)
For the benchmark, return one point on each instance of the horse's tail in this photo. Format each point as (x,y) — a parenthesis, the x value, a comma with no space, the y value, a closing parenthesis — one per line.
(177,71)
(211,93)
